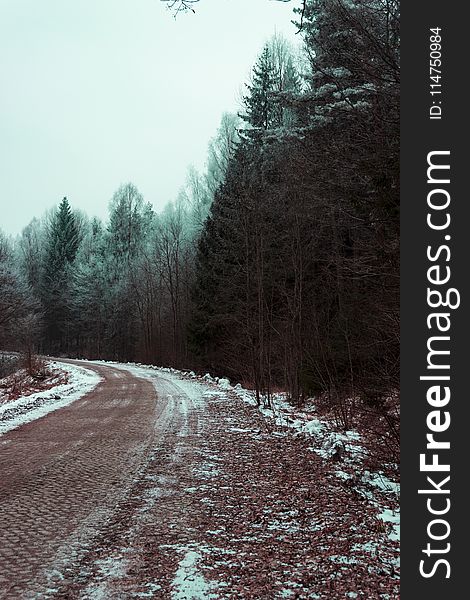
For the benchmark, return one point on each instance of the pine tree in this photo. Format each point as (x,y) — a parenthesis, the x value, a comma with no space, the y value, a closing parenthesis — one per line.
(353,47)
(61,248)
(91,298)
(261,107)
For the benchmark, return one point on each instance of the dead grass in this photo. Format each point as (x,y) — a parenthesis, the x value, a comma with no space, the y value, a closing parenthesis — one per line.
(21,383)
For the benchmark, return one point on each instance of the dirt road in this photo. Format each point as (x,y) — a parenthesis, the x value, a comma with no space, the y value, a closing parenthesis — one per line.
(152,486)
(63,475)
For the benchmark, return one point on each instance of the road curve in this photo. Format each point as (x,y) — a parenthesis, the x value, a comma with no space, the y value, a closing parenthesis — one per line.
(63,475)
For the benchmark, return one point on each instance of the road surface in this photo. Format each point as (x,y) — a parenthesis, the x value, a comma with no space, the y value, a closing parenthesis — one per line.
(63,475)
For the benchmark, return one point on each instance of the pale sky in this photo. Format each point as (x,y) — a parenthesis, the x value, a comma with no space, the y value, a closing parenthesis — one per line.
(95,93)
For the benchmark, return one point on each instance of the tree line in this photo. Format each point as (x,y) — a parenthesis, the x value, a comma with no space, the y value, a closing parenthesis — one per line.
(279,265)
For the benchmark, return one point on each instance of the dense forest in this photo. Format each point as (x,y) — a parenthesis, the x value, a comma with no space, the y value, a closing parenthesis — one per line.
(278,266)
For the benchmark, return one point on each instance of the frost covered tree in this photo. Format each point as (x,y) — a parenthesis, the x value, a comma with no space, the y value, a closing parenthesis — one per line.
(198,192)
(286,79)
(130,223)
(11,296)
(129,216)
(30,250)
(91,293)
(274,81)
(221,150)
(20,313)
(353,48)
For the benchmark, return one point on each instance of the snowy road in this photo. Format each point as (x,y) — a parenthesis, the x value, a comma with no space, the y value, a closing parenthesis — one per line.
(158,486)
(61,477)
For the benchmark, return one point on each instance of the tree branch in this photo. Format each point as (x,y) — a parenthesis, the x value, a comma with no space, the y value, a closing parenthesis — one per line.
(184,5)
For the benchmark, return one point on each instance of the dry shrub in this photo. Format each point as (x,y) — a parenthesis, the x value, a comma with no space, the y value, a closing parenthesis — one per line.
(377,421)
(35,366)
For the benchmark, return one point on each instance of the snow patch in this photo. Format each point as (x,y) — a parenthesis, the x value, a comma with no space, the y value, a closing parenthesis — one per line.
(393,517)
(29,408)
(189,583)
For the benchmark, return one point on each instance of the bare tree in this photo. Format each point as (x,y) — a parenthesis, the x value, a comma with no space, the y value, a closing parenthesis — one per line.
(188,5)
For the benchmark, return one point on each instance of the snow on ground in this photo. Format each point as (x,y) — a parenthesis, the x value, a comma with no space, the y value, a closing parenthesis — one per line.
(342,448)
(25,409)
(189,583)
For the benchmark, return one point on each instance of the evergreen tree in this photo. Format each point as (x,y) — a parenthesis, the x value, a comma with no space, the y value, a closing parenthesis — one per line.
(91,297)
(297,266)
(61,248)
(260,104)
(274,81)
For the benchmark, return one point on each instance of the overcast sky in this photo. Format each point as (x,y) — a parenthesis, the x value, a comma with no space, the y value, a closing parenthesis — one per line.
(95,93)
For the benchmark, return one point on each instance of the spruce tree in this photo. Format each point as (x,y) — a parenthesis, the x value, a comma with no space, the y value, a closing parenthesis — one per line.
(61,248)
(261,107)
(91,294)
